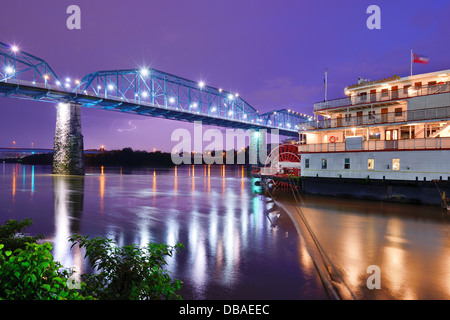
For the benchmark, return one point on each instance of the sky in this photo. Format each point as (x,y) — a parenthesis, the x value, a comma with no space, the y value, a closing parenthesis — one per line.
(272,52)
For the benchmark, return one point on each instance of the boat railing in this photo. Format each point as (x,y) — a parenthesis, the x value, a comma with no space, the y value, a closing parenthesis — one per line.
(383,95)
(374,145)
(381,118)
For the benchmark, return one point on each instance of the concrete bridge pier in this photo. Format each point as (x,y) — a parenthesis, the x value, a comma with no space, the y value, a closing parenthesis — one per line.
(68,154)
(258,147)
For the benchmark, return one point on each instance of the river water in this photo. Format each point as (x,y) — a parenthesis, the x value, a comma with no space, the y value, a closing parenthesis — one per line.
(238,243)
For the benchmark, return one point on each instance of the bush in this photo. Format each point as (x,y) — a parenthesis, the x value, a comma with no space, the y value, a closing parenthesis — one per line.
(28,270)
(128,272)
(12,237)
(32,274)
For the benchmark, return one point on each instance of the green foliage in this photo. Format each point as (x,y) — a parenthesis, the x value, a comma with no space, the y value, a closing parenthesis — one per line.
(32,274)
(128,272)
(11,234)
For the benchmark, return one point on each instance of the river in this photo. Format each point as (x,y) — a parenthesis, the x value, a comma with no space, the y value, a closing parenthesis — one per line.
(239,244)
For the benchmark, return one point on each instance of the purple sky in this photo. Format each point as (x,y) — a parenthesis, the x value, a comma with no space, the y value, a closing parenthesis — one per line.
(273,53)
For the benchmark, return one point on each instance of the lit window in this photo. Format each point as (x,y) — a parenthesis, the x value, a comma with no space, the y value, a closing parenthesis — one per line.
(347,163)
(324,163)
(395,164)
(371,164)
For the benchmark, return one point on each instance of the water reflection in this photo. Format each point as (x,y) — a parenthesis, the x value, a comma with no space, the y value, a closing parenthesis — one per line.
(409,244)
(231,249)
(68,198)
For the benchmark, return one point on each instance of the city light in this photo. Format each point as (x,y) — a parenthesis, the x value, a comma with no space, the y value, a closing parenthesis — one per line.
(230,97)
(171,100)
(145,94)
(110,87)
(9,70)
(144,72)
(201,84)
(67,79)
(14,48)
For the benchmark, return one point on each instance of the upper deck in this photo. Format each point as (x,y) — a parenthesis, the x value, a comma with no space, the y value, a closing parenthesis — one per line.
(387,91)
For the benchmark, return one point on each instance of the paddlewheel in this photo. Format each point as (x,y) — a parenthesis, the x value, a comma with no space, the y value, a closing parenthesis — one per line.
(284,163)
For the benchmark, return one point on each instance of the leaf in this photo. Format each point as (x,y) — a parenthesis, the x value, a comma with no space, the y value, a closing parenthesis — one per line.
(8,253)
(46,287)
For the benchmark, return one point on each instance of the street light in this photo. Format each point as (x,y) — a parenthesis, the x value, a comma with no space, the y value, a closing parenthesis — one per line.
(144,72)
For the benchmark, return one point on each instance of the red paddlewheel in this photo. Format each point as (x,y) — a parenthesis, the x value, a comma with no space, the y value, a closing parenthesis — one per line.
(288,157)
(283,185)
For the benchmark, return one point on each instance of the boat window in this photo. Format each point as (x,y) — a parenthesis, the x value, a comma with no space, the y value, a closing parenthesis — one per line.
(324,163)
(306,163)
(371,164)
(395,164)
(347,163)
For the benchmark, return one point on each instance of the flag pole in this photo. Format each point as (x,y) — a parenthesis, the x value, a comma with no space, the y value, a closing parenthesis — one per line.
(411,61)
(326,84)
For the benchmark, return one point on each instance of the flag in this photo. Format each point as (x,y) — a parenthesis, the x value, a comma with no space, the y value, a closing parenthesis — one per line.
(420,59)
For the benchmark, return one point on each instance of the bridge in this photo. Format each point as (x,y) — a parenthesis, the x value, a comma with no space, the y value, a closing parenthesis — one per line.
(141,91)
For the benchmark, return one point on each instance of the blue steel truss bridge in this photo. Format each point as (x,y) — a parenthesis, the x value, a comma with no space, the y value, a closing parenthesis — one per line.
(143,91)
(146,92)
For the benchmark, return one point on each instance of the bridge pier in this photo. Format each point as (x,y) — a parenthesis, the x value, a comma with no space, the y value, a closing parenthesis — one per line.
(258,147)
(68,149)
